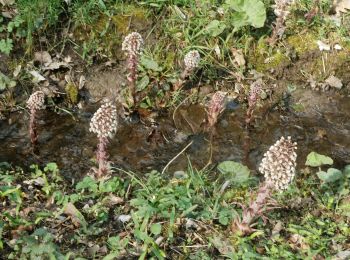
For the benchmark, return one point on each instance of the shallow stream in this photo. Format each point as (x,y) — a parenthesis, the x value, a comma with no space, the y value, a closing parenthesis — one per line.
(323,125)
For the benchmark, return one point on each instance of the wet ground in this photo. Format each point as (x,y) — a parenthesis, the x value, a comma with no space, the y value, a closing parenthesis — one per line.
(322,124)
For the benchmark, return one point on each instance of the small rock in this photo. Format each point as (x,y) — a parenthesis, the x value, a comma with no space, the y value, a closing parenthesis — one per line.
(190,224)
(334,82)
(180,175)
(180,137)
(337,47)
(124,218)
(342,255)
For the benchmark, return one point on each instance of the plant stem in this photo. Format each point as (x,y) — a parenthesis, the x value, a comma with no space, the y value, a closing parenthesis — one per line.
(32,127)
(256,208)
(102,156)
(132,64)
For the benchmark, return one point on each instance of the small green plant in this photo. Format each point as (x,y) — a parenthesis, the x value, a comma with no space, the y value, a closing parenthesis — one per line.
(6,82)
(39,245)
(9,27)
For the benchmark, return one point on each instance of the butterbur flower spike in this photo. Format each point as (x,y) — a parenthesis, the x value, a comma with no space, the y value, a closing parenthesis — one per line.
(279,162)
(216,107)
(278,166)
(35,102)
(104,125)
(253,98)
(133,45)
(191,62)
(281,10)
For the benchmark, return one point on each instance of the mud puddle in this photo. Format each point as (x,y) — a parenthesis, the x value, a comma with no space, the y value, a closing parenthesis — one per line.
(319,126)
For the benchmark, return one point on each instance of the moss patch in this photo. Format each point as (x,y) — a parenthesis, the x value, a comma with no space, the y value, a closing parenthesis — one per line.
(303,43)
(108,31)
(263,59)
(72,93)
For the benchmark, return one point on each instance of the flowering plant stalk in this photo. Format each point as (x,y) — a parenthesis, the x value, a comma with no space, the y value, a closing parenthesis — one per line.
(216,107)
(253,97)
(133,45)
(104,125)
(191,62)
(35,102)
(278,167)
(281,10)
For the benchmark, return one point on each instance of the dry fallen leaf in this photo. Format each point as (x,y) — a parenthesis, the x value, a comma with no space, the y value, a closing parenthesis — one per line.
(37,76)
(323,47)
(238,56)
(17,71)
(43,57)
(7,2)
(74,213)
(113,200)
(341,6)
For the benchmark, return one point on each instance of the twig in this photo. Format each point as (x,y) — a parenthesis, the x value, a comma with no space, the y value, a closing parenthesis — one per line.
(166,166)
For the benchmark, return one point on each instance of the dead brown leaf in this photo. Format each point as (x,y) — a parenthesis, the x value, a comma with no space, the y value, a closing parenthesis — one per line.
(341,6)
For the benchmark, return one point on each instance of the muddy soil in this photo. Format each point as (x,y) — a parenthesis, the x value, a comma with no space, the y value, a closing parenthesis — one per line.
(321,125)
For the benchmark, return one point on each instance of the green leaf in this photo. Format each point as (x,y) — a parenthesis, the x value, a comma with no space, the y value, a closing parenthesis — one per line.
(156,228)
(256,12)
(315,160)
(215,28)
(87,183)
(6,81)
(52,167)
(150,64)
(248,12)
(143,83)
(6,45)
(237,171)
(347,171)
(331,175)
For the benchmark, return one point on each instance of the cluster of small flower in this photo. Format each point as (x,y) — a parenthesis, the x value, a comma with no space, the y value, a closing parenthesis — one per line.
(216,106)
(279,162)
(281,8)
(254,93)
(36,101)
(104,121)
(133,43)
(192,60)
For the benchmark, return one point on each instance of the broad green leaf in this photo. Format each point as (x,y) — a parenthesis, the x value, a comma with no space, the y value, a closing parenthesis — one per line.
(150,64)
(256,12)
(143,83)
(247,12)
(6,46)
(237,171)
(235,5)
(52,167)
(331,175)
(315,160)
(215,28)
(156,228)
